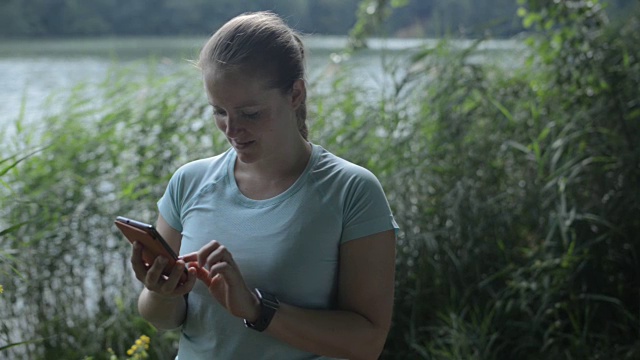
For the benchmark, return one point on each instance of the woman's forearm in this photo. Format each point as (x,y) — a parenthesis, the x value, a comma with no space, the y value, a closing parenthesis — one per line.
(365,296)
(164,313)
(340,334)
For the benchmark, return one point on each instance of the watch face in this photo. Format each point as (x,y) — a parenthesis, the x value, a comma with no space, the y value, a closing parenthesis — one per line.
(268,300)
(268,306)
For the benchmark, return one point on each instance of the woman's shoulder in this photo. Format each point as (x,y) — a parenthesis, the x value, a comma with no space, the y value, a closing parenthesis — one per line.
(328,161)
(341,171)
(206,168)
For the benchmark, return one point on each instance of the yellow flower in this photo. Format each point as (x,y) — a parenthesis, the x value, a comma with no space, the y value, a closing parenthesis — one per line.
(138,349)
(145,339)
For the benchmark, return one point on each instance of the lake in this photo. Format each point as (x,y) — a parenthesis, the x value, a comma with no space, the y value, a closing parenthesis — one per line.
(33,70)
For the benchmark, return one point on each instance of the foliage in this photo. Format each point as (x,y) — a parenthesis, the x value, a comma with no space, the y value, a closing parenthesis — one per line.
(518,195)
(103,158)
(516,191)
(371,15)
(423,18)
(167,17)
(434,19)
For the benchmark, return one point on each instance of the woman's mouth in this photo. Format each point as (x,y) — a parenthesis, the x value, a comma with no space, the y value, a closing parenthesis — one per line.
(241,144)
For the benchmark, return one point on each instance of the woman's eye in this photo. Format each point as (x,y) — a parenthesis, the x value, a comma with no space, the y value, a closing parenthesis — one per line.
(251,116)
(218,113)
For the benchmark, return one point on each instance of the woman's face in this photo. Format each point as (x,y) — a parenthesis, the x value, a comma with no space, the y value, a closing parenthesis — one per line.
(258,121)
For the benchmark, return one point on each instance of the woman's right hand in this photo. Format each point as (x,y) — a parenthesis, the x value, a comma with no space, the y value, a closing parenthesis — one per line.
(157,283)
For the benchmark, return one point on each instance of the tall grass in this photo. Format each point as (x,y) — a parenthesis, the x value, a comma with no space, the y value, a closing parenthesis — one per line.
(516,191)
(111,152)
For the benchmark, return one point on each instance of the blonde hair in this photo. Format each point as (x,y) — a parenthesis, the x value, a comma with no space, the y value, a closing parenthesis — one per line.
(260,42)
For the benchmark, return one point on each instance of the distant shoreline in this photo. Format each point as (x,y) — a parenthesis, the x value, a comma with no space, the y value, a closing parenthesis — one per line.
(169,46)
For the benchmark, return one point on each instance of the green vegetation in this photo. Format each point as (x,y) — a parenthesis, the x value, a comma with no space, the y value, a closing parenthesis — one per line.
(516,191)
(423,18)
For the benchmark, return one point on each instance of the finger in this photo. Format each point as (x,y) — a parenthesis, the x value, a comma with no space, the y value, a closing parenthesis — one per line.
(172,281)
(221,268)
(201,272)
(187,285)
(154,274)
(139,267)
(204,252)
(183,288)
(230,273)
(221,254)
(191,257)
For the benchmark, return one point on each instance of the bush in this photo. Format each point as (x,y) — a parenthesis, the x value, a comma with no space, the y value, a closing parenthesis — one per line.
(110,152)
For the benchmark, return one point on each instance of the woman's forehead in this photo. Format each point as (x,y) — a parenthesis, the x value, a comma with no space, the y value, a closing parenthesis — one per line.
(235,74)
(235,88)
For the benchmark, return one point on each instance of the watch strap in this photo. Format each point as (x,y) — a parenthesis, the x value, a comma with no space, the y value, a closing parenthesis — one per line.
(269,304)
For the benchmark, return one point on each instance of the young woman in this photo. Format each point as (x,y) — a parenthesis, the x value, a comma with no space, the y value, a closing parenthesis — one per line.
(295,247)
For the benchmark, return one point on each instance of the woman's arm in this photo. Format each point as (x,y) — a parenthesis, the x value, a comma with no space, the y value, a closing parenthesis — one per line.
(162,302)
(358,330)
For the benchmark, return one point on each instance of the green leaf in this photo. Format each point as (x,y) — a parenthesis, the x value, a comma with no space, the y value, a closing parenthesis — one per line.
(545,132)
(12,228)
(399,3)
(549,24)
(15,163)
(5,347)
(531,19)
(507,114)
(522,12)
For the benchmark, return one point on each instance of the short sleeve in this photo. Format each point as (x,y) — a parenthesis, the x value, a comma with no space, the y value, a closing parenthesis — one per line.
(366,209)
(168,205)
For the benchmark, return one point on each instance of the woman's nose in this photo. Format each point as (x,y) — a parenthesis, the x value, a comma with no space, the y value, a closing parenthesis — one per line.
(232,126)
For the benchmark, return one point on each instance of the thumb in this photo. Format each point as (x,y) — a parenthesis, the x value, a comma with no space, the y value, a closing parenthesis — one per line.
(189,257)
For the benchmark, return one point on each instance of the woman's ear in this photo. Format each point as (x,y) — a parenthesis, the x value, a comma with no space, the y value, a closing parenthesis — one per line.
(298,93)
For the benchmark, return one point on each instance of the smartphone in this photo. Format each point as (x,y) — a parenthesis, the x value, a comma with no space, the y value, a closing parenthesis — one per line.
(153,243)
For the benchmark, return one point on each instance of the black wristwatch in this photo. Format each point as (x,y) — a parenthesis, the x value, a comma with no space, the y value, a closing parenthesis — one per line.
(268,306)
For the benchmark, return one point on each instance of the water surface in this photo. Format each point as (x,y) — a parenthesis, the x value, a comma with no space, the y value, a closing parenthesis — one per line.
(31,71)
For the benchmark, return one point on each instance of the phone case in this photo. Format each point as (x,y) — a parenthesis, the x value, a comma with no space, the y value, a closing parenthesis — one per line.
(152,242)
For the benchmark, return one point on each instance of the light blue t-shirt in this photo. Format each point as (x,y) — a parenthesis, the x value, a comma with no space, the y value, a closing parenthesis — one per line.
(287,245)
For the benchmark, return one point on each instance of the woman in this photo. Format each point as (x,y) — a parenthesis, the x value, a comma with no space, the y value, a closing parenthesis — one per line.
(295,247)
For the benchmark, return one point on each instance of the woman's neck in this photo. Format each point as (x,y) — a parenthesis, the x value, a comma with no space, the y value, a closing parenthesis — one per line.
(273,175)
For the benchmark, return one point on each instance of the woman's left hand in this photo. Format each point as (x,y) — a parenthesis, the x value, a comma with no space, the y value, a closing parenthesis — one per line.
(224,280)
